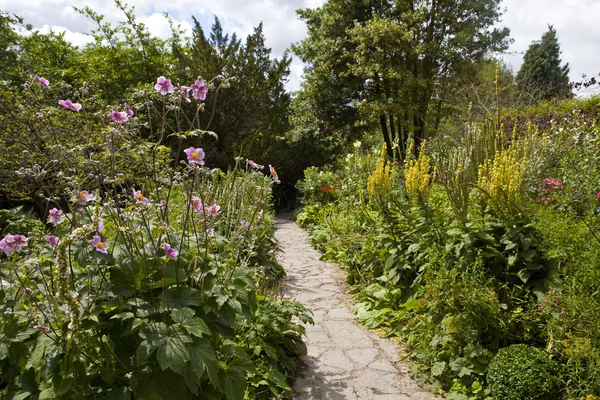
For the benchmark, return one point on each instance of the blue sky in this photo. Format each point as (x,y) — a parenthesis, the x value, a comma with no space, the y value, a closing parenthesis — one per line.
(577,23)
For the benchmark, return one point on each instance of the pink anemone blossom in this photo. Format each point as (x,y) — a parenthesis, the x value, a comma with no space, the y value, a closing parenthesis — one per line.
(163,85)
(252,164)
(213,210)
(55,215)
(100,246)
(128,110)
(199,90)
(70,105)
(197,204)
(169,251)
(52,240)
(41,328)
(195,156)
(273,173)
(118,116)
(12,243)
(245,224)
(83,197)
(139,197)
(185,92)
(42,81)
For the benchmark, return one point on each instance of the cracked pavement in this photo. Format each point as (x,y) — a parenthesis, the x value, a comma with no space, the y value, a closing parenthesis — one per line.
(345,361)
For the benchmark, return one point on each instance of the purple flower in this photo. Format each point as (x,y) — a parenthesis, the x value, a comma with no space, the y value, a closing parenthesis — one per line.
(273,173)
(163,85)
(171,252)
(42,81)
(195,156)
(28,292)
(213,210)
(41,328)
(245,224)
(118,116)
(197,204)
(11,243)
(199,90)
(100,226)
(55,215)
(100,246)
(185,92)
(128,110)
(139,197)
(52,240)
(69,105)
(252,164)
(83,197)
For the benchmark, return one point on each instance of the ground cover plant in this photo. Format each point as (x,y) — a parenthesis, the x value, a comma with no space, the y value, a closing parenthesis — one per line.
(474,244)
(150,274)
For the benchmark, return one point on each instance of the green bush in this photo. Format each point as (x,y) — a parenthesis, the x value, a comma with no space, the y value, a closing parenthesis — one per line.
(522,372)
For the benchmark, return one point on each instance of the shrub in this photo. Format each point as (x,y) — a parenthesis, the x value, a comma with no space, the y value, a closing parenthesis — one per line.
(522,372)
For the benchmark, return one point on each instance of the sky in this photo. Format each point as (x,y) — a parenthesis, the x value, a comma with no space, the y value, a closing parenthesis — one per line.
(577,23)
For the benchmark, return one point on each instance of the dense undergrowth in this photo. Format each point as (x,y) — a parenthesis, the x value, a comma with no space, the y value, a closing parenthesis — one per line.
(147,276)
(480,242)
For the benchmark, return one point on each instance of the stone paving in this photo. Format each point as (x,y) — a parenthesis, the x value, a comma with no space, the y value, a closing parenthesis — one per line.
(344,361)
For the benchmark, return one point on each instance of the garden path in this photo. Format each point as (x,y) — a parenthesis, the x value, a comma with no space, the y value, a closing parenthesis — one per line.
(345,361)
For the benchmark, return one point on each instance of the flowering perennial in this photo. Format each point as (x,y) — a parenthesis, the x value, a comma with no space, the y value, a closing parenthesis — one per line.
(163,85)
(118,116)
(139,197)
(100,246)
(42,81)
(55,215)
(170,252)
(69,105)
(52,240)
(199,90)
(12,243)
(195,156)
(83,197)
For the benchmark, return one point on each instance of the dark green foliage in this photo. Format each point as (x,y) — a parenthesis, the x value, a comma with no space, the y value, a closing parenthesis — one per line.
(523,372)
(541,76)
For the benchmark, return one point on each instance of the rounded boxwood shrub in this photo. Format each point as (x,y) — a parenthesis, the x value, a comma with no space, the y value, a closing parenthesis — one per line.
(522,372)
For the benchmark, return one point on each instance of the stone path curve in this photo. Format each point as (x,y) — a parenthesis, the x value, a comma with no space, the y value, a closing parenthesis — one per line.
(344,361)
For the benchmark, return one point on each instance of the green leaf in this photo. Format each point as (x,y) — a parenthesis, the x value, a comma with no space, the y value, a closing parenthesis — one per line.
(182,297)
(438,368)
(512,259)
(524,274)
(155,336)
(459,365)
(203,358)
(174,354)
(192,324)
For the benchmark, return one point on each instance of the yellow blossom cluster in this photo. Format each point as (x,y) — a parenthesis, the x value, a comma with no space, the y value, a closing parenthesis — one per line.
(418,172)
(502,176)
(379,183)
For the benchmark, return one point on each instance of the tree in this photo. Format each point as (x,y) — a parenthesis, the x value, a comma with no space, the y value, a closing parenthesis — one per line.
(541,75)
(383,61)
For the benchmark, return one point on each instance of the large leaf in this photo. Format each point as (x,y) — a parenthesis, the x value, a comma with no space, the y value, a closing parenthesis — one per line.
(174,354)
(192,324)
(203,358)
(182,297)
(155,336)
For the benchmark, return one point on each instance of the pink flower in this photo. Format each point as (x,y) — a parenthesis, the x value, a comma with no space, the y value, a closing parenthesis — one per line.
(139,197)
(199,90)
(11,243)
(41,328)
(273,173)
(597,195)
(213,210)
(170,252)
(42,81)
(55,215)
(245,224)
(69,105)
(252,164)
(52,240)
(100,246)
(163,85)
(128,110)
(118,116)
(195,156)
(197,204)
(100,226)
(83,197)
(185,92)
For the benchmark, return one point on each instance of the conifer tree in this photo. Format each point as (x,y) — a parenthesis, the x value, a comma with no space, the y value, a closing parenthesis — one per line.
(541,75)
